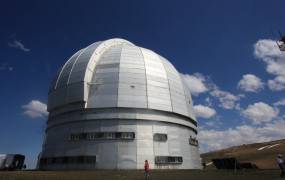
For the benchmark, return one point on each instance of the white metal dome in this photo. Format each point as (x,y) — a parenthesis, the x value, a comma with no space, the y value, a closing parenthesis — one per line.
(113,105)
(116,73)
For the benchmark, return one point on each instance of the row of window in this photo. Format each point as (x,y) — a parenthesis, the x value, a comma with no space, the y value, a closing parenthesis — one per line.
(69,160)
(168,160)
(92,160)
(122,136)
(193,141)
(102,135)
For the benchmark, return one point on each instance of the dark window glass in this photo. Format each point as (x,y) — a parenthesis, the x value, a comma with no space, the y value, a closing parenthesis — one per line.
(59,160)
(69,160)
(65,160)
(118,135)
(160,137)
(80,159)
(72,160)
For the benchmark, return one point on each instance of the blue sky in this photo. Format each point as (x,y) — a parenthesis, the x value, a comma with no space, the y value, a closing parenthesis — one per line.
(224,50)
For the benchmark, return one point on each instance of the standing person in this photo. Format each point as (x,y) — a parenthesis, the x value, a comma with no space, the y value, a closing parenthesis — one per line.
(280,163)
(146,170)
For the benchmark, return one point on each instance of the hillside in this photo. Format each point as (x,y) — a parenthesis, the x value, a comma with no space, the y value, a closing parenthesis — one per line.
(261,154)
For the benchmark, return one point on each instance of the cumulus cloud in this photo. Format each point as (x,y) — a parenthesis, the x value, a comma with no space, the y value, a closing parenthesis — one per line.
(250,83)
(227,100)
(260,112)
(280,103)
(18,45)
(277,84)
(35,109)
(218,139)
(268,51)
(204,111)
(196,83)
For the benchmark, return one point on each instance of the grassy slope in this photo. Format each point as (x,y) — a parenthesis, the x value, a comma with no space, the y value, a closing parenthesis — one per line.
(138,175)
(265,159)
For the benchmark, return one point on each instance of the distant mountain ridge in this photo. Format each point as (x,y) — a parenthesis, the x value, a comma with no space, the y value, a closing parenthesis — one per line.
(262,154)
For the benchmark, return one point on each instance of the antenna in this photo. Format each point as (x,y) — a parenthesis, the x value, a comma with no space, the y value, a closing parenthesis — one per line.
(281,42)
(280,34)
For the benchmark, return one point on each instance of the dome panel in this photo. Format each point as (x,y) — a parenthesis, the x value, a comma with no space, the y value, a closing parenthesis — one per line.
(103,91)
(116,73)
(66,70)
(79,68)
(132,85)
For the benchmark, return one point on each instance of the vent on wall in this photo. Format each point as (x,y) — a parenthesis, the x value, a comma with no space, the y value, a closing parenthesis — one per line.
(160,137)
(193,141)
(102,135)
(168,160)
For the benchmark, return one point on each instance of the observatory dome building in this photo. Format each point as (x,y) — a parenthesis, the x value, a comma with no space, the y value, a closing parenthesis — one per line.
(114,105)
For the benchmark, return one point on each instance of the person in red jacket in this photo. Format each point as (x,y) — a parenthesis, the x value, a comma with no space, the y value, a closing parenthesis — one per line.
(146,170)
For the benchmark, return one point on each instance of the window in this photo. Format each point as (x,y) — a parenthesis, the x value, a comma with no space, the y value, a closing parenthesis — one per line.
(193,141)
(69,160)
(74,137)
(127,135)
(168,160)
(102,135)
(109,135)
(160,137)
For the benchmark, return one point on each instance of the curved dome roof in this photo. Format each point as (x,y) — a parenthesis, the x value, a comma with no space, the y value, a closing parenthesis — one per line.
(116,73)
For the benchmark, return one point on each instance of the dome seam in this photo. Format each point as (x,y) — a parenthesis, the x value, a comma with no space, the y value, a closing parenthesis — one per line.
(167,81)
(59,75)
(146,93)
(75,63)
(122,45)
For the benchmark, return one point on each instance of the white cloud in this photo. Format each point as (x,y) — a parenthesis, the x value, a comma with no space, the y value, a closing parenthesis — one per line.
(6,66)
(268,51)
(196,83)
(260,112)
(204,111)
(227,100)
(277,84)
(209,101)
(218,139)
(18,45)
(35,109)
(250,83)
(280,103)
(266,48)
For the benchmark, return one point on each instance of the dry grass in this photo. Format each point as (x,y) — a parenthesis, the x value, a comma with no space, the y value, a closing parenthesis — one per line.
(264,159)
(138,175)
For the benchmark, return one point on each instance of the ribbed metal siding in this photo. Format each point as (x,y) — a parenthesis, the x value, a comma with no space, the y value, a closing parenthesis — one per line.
(103,90)
(132,79)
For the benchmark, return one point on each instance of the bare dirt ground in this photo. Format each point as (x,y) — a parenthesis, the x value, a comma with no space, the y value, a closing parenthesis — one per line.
(138,175)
